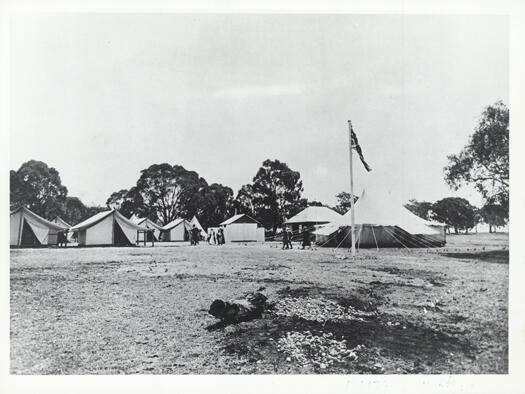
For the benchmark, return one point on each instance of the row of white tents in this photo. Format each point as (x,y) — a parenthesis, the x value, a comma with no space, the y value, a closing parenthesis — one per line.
(28,229)
(380,221)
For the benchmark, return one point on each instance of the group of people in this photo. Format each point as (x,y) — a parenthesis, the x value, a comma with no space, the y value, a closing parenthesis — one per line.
(216,238)
(287,239)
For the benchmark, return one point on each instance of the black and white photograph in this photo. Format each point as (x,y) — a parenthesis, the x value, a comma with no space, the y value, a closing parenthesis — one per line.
(229,193)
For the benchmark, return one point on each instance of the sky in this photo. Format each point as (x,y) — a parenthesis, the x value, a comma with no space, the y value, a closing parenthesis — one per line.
(100,97)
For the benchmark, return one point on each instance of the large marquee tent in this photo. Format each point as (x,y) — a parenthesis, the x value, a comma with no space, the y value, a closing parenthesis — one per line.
(380,221)
(27,229)
(107,228)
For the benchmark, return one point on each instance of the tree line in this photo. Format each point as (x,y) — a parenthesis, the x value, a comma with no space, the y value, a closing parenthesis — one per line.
(482,163)
(164,192)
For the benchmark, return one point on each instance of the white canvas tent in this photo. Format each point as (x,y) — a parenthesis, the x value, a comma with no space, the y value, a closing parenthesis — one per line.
(311,218)
(195,221)
(107,228)
(150,224)
(242,228)
(314,215)
(176,230)
(380,222)
(61,222)
(27,229)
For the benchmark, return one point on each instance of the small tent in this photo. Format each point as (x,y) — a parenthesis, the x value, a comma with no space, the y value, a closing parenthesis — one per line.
(27,229)
(242,228)
(150,224)
(61,222)
(381,222)
(176,231)
(107,228)
(195,221)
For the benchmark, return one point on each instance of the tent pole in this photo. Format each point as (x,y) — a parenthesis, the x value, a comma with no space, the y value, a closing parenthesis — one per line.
(21,227)
(352,213)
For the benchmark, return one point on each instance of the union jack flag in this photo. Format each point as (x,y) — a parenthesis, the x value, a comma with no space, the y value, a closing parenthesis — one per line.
(355,145)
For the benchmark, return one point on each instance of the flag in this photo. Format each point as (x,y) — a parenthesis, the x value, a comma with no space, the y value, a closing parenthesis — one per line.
(355,145)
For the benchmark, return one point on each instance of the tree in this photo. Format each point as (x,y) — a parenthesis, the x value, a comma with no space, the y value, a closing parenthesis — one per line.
(39,188)
(244,201)
(216,204)
(423,209)
(314,203)
(164,192)
(276,193)
(93,210)
(74,211)
(484,161)
(494,215)
(344,202)
(122,201)
(456,212)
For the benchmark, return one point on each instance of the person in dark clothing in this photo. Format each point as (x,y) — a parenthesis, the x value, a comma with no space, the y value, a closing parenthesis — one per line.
(285,239)
(194,235)
(306,238)
(220,236)
(290,238)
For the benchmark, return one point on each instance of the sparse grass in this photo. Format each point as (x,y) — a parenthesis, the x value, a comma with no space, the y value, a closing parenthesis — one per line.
(144,310)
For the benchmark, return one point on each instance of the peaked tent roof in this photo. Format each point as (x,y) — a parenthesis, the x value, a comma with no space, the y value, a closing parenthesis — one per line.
(145,222)
(148,223)
(175,223)
(235,218)
(39,219)
(375,209)
(41,227)
(195,221)
(135,219)
(101,216)
(315,215)
(61,222)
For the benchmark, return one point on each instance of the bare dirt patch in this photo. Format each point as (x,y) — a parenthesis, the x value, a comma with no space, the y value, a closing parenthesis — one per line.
(131,310)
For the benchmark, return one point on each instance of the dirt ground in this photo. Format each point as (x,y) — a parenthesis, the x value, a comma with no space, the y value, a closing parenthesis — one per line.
(144,309)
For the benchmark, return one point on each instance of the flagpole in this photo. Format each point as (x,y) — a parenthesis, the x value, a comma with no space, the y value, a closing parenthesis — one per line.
(352,213)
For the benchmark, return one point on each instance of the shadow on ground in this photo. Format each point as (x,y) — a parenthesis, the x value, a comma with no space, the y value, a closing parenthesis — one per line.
(492,256)
(402,346)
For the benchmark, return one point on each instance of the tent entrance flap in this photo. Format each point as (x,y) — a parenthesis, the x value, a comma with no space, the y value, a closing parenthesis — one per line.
(40,231)
(119,237)
(129,229)
(28,236)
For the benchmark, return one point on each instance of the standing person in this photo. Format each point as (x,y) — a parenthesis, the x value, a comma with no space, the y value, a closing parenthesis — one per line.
(195,235)
(222,240)
(285,239)
(190,236)
(306,238)
(214,237)
(290,238)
